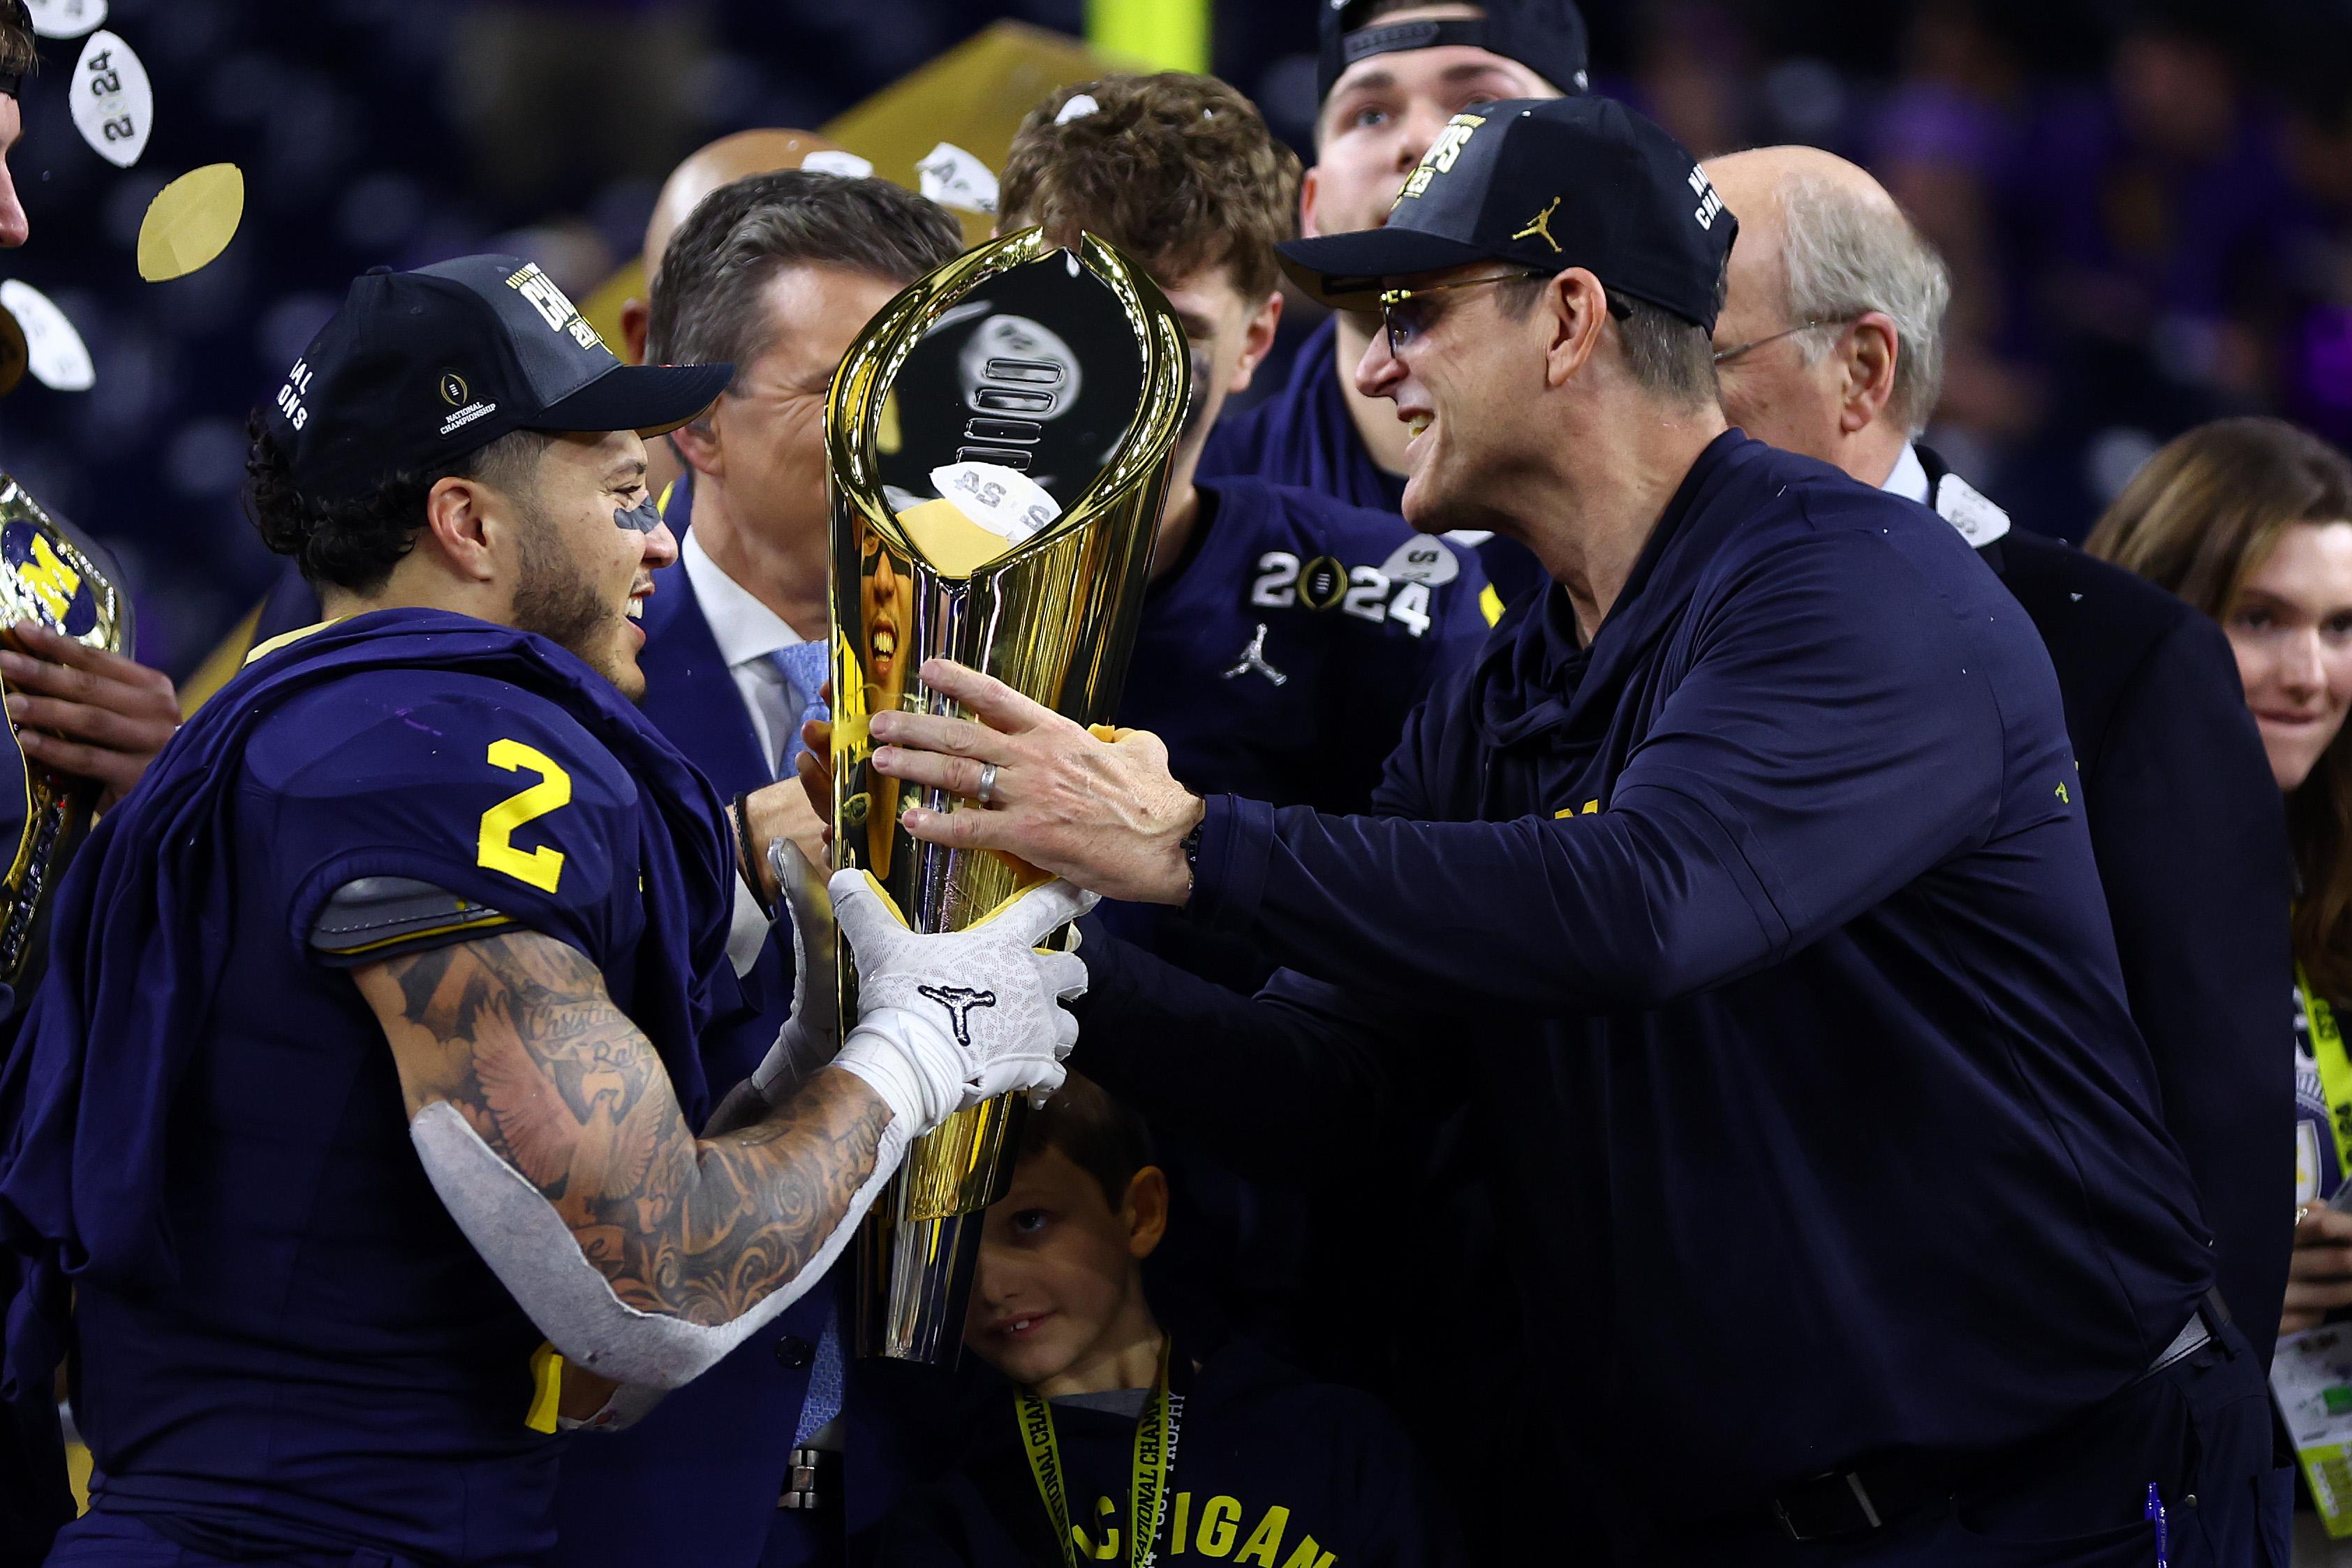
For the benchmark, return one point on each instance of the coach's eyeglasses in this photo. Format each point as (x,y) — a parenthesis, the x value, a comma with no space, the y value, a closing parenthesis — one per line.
(1727,355)
(1404,320)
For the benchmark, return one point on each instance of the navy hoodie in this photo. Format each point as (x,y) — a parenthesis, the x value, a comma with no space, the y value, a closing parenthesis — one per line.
(1269,1467)
(1765,934)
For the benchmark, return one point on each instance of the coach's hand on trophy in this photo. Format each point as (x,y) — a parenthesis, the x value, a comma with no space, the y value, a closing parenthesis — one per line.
(84,710)
(1105,812)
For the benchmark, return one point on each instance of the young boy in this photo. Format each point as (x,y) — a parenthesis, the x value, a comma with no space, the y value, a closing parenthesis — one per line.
(1111,1426)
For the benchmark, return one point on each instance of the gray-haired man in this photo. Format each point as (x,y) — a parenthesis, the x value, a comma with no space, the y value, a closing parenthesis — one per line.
(1831,344)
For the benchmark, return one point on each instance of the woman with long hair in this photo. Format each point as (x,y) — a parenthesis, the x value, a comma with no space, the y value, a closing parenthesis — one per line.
(2251,520)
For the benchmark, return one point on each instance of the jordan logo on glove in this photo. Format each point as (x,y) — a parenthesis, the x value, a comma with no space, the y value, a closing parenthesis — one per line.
(959,1000)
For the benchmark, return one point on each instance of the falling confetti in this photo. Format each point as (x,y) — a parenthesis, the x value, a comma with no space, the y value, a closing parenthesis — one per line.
(954,178)
(113,104)
(191,221)
(66,18)
(834,161)
(54,349)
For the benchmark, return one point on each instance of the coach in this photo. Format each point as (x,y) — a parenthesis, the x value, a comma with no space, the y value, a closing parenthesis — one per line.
(1749,868)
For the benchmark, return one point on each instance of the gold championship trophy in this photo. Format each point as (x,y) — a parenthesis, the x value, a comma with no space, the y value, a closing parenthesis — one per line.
(999,442)
(51,576)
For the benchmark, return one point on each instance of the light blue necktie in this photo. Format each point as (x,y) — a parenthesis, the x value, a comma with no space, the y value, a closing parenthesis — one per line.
(804,667)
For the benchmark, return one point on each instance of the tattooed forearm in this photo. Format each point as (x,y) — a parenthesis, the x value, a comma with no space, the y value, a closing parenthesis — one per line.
(516,1032)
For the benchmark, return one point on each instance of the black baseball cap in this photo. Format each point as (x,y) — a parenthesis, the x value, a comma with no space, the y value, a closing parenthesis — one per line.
(1550,184)
(419,368)
(1545,36)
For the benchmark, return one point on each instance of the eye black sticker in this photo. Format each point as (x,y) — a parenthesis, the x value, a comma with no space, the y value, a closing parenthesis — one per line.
(643,518)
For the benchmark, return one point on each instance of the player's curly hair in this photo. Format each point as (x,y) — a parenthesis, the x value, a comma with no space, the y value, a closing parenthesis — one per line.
(1179,171)
(355,544)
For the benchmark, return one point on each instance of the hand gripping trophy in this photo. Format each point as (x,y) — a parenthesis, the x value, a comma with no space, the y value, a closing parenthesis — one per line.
(999,442)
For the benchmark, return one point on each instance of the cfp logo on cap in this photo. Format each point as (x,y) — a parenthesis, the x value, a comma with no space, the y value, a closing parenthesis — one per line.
(452,389)
(554,308)
(1709,204)
(1441,153)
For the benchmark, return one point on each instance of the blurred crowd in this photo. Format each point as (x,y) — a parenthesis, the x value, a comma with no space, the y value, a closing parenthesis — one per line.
(2147,206)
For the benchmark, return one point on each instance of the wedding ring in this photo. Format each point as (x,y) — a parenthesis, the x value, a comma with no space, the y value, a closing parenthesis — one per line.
(987,783)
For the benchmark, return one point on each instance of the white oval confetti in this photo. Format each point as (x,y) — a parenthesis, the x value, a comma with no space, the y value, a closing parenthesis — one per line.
(835,161)
(54,350)
(1422,560)
(113,106)
(1005,501)
(66,18)
(1078,107)
(954,178)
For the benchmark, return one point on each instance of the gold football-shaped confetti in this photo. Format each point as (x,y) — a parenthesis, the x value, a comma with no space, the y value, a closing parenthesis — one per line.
(191,221)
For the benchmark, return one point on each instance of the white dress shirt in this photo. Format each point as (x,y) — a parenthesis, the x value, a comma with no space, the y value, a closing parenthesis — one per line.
(747,632)
(1908,480)
(1954,501)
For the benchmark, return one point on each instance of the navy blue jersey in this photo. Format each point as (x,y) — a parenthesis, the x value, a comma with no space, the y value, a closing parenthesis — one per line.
(1280,657)
(1767,930)
(297,1347)
(1303,435)
(1269,1467)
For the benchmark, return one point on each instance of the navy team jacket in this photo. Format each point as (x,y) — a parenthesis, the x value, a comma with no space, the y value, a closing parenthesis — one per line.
(1269,1467)
(2190,835)
(1765,934)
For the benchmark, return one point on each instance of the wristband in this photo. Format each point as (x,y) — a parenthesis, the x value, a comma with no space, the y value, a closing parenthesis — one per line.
(746,866)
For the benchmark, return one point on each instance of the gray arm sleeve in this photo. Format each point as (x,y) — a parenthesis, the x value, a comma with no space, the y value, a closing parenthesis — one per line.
(536,1256)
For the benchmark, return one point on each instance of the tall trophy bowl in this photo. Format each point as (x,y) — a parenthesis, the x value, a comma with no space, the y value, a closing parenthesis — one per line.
(999,441)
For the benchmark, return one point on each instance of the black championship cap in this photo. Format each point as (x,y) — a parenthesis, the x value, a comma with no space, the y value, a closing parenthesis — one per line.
(1545,36)
(1550,184)
(419,368)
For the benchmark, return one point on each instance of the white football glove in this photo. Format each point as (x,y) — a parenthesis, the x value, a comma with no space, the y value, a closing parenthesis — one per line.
(948,1020)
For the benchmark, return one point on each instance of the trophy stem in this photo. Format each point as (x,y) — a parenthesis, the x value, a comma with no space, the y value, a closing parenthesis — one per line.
(922,1242)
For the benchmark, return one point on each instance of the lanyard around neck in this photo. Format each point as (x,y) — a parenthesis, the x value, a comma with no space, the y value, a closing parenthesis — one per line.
(2335,1068)
(1155,1458)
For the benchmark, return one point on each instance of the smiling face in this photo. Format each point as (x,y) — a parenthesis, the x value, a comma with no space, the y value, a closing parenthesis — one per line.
(1383,113)
(1059,1286)
(583,564)
(1467,371)
(2290,627)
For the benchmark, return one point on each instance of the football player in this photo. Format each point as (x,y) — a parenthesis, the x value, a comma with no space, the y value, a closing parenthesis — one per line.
(331,1301)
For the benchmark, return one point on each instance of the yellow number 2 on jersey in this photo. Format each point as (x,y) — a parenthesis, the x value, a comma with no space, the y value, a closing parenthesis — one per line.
(541,867)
